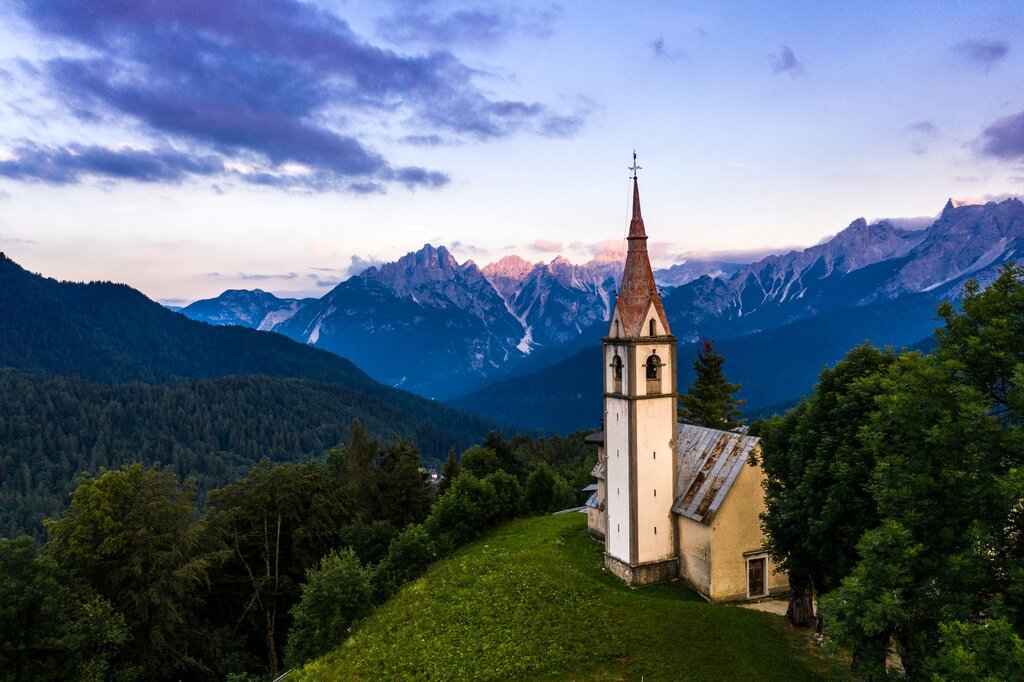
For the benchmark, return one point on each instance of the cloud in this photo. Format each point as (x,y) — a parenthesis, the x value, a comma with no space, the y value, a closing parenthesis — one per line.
(982,54)
(660,51)
(358,264)
(269,83)
(913,223)
(546,246)
(464,248)
(1004,138)
(473,27)
(424,140)
(15,241)
(920,135)
(785,62)
(63,165)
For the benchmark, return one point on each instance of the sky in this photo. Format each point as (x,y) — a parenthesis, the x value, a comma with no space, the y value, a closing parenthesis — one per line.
(187,147)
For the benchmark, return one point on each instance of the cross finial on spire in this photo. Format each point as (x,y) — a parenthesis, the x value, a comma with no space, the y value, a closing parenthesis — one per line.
(634,167)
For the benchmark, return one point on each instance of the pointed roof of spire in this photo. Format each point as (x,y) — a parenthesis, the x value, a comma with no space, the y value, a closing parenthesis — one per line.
(638,290)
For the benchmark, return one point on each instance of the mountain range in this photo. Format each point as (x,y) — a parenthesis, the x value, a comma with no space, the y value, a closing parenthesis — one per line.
(463,333)
(780,320)
(440,328)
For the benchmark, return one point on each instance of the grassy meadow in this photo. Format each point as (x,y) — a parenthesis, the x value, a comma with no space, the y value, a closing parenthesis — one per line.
(532,601)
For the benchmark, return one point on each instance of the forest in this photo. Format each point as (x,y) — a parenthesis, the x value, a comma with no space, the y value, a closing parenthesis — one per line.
(136,582)
(52,428)
(894,498)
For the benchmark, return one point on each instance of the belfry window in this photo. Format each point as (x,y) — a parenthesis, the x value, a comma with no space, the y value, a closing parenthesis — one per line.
(654,327)
(653,367)
(616,374)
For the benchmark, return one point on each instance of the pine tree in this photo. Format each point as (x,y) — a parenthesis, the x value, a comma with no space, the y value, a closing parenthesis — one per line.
(710,401)
(449,472)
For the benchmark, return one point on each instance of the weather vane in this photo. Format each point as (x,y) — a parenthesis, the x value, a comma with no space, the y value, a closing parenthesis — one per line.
(634,167)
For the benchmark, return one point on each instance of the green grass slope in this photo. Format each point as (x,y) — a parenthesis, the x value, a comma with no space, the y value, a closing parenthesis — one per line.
(531,601)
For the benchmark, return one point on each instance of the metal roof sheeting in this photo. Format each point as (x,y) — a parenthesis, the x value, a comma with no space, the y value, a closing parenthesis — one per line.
(708,463)
(592,501)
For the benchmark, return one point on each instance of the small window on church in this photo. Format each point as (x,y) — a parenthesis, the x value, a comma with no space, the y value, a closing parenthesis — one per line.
(653,374)
(616,327)
(654,327)
(655,530)
(655,492)
(616,374)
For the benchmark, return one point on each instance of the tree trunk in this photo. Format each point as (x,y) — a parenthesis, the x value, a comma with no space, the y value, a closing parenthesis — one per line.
(801,601)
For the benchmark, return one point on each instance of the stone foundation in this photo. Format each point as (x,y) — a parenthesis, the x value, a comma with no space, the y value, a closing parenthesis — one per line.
(638,575)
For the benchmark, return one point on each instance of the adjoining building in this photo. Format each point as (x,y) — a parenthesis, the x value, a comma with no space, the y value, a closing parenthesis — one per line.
(672,500)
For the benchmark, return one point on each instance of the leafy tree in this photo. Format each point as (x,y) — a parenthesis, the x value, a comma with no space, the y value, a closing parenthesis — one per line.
(817,478)
(132,537)
(546,491)
(508,461)
(984,340)
(948,481)
(336,594)
(50,629)
(449,472)
(986,650)
(278,521)
(710,401)
(369,541)
(509,493)
(480,461)
(463,513)
(408,557)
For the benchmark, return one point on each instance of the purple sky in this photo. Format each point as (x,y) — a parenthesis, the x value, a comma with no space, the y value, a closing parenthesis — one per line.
(189,147)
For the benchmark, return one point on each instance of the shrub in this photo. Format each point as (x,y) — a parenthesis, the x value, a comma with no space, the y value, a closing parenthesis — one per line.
(408,557)
(479,461)
(463,513)
(336,594)
(509,492)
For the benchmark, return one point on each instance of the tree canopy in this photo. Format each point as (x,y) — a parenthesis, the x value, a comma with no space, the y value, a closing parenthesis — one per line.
(895,490)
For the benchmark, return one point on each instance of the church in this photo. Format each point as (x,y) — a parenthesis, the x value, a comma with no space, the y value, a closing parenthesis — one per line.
(672,501)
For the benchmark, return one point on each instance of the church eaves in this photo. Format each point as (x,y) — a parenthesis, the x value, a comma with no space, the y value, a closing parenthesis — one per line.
(638,290)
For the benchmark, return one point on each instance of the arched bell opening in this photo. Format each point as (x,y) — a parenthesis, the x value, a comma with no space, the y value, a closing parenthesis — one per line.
(616,374)
(653,367)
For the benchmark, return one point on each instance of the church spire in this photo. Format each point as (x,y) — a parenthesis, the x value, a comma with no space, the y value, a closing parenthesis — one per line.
(638,290)
(636,225)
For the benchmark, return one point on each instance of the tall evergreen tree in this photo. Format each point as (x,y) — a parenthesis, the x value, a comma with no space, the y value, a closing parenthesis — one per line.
(449,472)
(710,401)
(404,487)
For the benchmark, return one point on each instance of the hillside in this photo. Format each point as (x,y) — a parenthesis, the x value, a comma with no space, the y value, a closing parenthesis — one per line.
(53,427)
(531,601)
(106,376)
(112,333)
(775,366)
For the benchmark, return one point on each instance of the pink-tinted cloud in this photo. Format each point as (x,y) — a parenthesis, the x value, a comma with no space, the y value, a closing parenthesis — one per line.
(547,246)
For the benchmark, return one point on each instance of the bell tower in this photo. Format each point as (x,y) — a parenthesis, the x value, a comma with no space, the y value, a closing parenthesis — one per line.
(640,397)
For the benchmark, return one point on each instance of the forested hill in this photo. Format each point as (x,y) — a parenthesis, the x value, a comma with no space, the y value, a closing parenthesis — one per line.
(53,427)
(112,333)
(107,376)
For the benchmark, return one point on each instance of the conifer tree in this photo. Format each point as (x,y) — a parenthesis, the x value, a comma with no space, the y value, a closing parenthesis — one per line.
(710,401)
(449,472)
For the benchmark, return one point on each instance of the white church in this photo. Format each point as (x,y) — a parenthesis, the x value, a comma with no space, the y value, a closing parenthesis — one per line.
(672,500)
